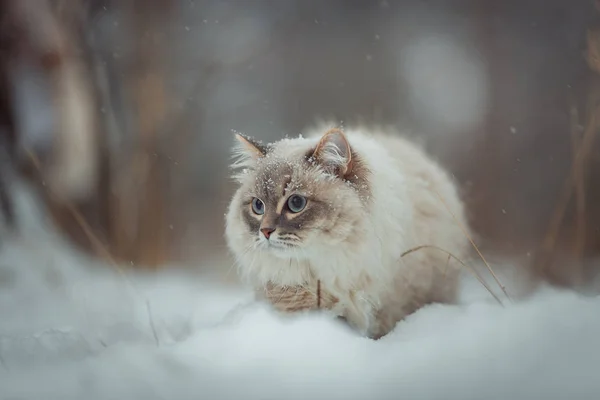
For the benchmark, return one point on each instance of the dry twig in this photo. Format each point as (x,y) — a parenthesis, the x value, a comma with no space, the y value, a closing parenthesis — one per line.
(469,268)
(466,233)
(151,321)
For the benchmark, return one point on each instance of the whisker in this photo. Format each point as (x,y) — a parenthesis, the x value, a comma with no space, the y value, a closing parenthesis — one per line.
(237,262)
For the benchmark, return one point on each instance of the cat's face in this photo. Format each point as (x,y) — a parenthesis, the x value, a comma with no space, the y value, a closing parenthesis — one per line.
(297,196)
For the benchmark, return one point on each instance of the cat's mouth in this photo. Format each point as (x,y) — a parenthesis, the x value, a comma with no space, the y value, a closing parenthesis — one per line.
(284,251)
(280,247)
(277,244)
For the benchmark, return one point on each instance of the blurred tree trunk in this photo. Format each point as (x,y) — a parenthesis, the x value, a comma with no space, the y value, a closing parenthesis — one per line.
(44,36)
(7,125)
(561,257)
(139,201)
(104,185)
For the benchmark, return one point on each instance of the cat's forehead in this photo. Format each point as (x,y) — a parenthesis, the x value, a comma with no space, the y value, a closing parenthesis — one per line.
(275,175)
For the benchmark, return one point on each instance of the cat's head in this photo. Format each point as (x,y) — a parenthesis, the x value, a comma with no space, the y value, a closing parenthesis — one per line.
(297,196)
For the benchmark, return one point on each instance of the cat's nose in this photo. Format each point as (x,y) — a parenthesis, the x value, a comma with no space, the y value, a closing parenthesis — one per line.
(267,231)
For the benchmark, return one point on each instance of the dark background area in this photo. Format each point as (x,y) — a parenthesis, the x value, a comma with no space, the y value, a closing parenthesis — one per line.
(489,87)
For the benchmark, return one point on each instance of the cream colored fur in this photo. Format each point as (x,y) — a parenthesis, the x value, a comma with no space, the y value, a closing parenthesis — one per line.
(355,251)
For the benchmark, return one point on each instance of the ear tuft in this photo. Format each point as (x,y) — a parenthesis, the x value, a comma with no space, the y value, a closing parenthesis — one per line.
(251,146)
(334,153)
(246,153)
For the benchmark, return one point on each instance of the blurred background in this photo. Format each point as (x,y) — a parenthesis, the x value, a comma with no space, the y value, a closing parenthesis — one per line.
(118,114)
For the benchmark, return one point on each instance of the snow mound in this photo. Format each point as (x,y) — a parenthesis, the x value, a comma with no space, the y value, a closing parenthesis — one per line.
(71,329)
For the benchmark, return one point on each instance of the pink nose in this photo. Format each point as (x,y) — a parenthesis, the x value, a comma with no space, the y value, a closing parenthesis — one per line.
(267,231)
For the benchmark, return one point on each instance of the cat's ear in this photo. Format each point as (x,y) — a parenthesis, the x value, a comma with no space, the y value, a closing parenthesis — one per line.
(334,153)
(250,146)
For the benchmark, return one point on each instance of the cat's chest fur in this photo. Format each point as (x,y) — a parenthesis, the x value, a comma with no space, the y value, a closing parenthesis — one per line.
(353,282)
(356,305)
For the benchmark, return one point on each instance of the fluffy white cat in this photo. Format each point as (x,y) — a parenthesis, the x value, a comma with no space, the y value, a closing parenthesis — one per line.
(324,221)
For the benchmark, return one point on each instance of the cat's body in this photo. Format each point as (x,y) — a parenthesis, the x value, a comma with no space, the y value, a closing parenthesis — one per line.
(369,198)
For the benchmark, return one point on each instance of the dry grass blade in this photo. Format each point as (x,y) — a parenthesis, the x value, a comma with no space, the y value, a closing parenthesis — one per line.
(97,243)
(580,195)
(151,321)
(580,155)
(319,293)
(464,230)
(582,151)
(447,265)
(450,255)
(76,214)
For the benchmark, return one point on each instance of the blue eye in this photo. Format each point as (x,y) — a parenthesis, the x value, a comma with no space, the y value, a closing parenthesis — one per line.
(258,207)
(296,203)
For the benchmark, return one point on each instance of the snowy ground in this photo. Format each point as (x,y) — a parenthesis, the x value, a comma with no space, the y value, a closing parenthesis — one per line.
(70,329)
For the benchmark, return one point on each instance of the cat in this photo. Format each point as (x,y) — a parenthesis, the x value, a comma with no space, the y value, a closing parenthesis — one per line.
(323,221)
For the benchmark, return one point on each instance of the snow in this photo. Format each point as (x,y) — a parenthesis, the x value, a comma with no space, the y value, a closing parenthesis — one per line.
(71,328)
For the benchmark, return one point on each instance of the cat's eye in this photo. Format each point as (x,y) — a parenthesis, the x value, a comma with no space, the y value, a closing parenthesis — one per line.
(296,203)
(258,207)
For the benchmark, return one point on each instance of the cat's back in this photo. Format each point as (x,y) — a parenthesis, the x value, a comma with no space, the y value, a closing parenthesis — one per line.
(422,168)
(392,156)
(439,216)
(396,151)
(405,170)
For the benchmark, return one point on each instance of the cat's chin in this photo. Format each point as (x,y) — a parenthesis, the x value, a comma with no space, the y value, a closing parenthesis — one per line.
(282,250)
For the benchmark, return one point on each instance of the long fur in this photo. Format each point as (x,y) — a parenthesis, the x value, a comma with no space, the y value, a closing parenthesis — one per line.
(385,205)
